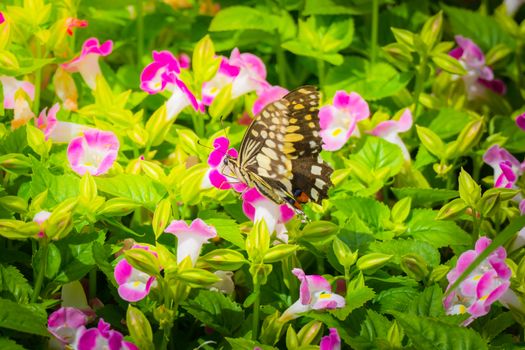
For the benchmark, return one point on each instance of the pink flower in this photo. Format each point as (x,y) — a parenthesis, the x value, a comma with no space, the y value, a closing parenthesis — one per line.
(134,285)
(87,62)
(485,285)
(181,98)
(40,218)
(66,89)
(390,129)
(258,207)
(520,121)
(159,73)
(331,341)
(47,121)
(2,18)
(339,121)
(59,131)
(252,73)
(507,169)
(224,76)
(216,175)
(267,96)
(184,61)
(72,23)
(315,293)
(479,76)
(102,337)
(94,152)
(11,86)
(190,238)
(65,322)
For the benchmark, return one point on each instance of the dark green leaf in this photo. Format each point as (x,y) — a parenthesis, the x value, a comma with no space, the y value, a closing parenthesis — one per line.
(8,344)
(369,210)
(396,299)
(400,247)
(428,303)
(14,285)
(22,318)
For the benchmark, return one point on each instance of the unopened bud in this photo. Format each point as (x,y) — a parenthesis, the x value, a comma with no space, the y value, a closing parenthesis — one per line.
(224,259)
(414,266)
(373,261)
(279,252)
(197,277)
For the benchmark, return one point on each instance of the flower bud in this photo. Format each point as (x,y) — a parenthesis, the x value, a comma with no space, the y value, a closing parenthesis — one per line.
(161,217)
(401,210)
(224,259)
(432,29)
(157,126)
(118,206)
(395,335)
(319,231)
(222,104)
(469,136)
(15,229)
(37,141)
(14,203)
(271,329)
(309,331)
(143,260)
(153,170)
(15,163)
(60,222)
(291,338)
(139,328)
(279,252)
(138,135)
(88,188)
(489,205)
(258,241)
(66,89)
(373,261)
(452,209)
(438,273)
(431,141)
(197,277)
(404,37)
(414,266)
(343,253)
(469,190)
(204,61)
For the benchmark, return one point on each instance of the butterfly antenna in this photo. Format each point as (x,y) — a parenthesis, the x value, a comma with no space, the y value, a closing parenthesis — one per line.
(223,128)
(203,145)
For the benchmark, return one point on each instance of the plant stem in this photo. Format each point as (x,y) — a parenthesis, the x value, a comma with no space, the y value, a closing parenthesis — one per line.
(93,283)
(421,74)
(140,32)
(256,306)
(373,38)
(198,124)
(42,271)
(282,65)
(320,72)
(519,67)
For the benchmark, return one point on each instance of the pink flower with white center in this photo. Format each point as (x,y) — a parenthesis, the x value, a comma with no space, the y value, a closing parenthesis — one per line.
(520,121)
(40,218)
(94,152)
(485,285)
(134,285)
(66,89)
(339,121)
(72,23)
(11,86)
(224,76)
(87,62)
(159,73)
(181,98)
(220,176)
(315,293)
(47,121)
(102,337)
(267,96)
(190,238)
(65,322)
(257,207)
(507,169)
(331,341)
(252,73)
(390,129)
(479,76)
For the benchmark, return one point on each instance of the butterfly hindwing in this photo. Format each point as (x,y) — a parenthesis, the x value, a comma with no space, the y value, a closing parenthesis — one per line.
(311,175)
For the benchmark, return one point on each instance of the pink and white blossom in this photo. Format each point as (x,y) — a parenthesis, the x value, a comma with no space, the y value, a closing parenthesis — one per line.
(331,341)
(134,285)
(484,286)
(507,169)
(190,238)
(180,98)
(47,121)
(159,73)
(11,86)
(338,121)
(315,293)
(252,73)
(219,175)
(22,112)
(66,89)
(224,76)
(479,76)
(390,129)
(94,152)
(102,337)
(87,62)
(40,218)
(64,324)
(267,96)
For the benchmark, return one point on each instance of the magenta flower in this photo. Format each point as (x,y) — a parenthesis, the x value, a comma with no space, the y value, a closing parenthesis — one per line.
(184,61)
(507,169)
(59,131)
(2,18)
(134,285)
(159,73)
(224,76)
(216,175)
(479,76)
(257,207)
(485,285)
(94,152)
(267,96)
(40,218)
(520,121)
(190,238)
(315,293)
(390,129)
(339,121)
(102,337)
(65,322)
(181,98)
(47,121)
(11,86)
(252,73)
(331,341)
(72,23)
(87,62)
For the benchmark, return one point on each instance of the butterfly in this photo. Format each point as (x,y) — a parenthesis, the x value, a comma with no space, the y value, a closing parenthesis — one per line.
(280,151)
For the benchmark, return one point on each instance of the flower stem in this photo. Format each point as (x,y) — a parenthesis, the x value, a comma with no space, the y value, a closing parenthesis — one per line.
(140,31)
(320,72)
(44,245)
(256,306)
(421,75)
(375,24)
(282,65)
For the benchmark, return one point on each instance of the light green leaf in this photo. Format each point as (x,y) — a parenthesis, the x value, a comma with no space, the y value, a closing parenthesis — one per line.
(423,226)
(424,196)
(228,230)
(8,344)
(378,155)
(369,210)
(396,299)
(400,247)
(354,300)
(243,18)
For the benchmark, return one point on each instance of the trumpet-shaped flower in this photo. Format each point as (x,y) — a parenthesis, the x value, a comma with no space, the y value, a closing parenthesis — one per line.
(219,175)
(479,76)
(11,86)
(87,62)
(134,285)
(507,169)
(181,98)
(390,129)
(190,238)
(224,76)
(94,152)
(258,207)
(66,89)
(102,337)
(59,131)
(331,341)
(40,218)
(339,121)
(47,121)
(252,73)
(267,96)
(64,324)
(72,23)
(22,112)
(485,285)
(159,73)
(315,293)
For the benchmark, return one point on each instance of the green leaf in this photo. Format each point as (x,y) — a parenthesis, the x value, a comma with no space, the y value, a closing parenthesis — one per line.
(354,300)
(216,311)
(22,318)
(448,64)
(400,247)
(60,187)
(14,285)
(423,226)
(139,188)
(8,344)
(335,7)
(379,155)
(228,230)
(369,210)
(424,196)
(396,299)
(428,303)
(242,343)
(498,324)
(375,327)
(449,122)
(243,18)
(299,48)
(427,333)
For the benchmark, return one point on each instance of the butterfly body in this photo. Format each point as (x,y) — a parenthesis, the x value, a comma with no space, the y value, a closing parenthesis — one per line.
(280,152)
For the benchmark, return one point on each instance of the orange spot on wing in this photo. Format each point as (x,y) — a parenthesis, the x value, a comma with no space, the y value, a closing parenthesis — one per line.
(302,198)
